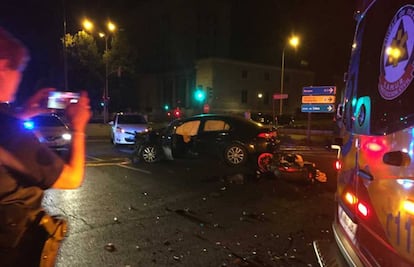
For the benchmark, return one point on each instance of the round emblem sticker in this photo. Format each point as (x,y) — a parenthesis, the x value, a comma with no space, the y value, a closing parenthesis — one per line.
(396,70)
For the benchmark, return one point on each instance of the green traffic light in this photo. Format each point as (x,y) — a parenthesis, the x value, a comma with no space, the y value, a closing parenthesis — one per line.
(200,95)
(166,107)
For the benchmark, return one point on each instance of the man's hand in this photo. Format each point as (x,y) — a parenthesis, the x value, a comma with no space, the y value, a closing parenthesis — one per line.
(79,113)
(36,104)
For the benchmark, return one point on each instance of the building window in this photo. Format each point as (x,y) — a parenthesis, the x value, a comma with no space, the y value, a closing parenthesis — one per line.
(244,74)
(267,76)
(244,96)
(266,98)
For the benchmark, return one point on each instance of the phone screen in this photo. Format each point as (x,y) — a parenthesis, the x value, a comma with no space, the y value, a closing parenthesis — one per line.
(60,100)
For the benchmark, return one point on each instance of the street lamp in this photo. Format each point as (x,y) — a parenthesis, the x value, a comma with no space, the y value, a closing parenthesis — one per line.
(111,27)
(293,42)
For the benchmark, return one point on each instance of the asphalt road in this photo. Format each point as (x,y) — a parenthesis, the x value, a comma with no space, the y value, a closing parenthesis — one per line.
(190,213)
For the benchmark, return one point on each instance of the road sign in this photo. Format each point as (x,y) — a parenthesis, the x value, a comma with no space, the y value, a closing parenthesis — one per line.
(206,108)
(321,99)
(318,108)
(280,96)
(319,90)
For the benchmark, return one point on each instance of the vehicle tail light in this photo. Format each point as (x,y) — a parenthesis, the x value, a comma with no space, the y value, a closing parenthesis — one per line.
(350,198)
(119,130)
(409,206)
(338,165)
(267,135)
(362,208)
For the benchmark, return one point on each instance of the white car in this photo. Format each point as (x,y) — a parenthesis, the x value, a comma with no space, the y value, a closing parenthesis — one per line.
(124,126)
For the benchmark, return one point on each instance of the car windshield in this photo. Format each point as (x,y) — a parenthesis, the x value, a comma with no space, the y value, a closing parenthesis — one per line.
(47,121)
(131,119)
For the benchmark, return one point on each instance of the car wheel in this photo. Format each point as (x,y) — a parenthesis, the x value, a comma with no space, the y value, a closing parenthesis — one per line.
(235,155)
(150,154)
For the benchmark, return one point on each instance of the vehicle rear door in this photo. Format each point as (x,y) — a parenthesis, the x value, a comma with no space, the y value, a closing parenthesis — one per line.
(213,134)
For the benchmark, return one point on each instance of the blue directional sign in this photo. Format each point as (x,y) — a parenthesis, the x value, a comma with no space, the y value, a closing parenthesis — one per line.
(318,108)
(319,90)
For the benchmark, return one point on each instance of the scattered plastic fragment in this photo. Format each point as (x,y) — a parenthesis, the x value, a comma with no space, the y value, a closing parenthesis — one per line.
(110,247)
(176,258)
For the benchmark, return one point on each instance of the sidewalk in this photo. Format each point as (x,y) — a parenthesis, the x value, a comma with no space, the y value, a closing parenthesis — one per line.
(98,131)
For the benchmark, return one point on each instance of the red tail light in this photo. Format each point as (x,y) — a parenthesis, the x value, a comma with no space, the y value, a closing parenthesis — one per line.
(267,135)
(354,202)
(363,209)
(338,165)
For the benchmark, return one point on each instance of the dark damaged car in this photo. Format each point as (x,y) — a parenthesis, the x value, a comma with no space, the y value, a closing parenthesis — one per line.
(231,138)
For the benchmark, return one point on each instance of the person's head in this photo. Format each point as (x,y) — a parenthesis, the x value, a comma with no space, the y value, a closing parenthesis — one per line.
(13,59)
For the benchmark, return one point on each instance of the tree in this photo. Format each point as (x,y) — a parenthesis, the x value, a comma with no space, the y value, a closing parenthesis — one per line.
(86,67)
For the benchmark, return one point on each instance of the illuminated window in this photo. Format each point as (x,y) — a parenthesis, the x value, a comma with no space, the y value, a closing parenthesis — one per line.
(215,125)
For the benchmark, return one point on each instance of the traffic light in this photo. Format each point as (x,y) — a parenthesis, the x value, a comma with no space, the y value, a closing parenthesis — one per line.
(177,113)
(166,107)
(210,92)
(199,95)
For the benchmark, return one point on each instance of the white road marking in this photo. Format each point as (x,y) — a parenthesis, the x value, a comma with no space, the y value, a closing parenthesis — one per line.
(98,162)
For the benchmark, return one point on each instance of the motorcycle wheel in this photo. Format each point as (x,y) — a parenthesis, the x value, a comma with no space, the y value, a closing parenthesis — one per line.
(263,162)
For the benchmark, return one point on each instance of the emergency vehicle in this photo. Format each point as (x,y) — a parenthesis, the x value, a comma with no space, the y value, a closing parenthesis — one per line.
(374,217)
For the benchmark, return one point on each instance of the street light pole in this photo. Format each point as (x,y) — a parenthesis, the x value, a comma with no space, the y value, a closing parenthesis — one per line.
(293,42)
(282,73)
(88,25)
(65,51)
(106,90)
(111,28)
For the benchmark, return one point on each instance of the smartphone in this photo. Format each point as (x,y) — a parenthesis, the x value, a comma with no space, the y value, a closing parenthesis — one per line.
(60,100)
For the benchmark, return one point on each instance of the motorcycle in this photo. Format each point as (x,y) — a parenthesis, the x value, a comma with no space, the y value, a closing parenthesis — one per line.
(289,166)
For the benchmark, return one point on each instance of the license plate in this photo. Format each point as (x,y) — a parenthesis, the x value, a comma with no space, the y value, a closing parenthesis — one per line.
(349,226)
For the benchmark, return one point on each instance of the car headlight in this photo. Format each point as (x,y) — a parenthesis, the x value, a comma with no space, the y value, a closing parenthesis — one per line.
(67,136)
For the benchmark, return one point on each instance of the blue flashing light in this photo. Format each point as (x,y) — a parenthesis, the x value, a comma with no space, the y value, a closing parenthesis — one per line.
(29,125)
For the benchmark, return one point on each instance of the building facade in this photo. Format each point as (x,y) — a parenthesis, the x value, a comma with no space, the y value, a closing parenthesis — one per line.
(236,86)
(230,87)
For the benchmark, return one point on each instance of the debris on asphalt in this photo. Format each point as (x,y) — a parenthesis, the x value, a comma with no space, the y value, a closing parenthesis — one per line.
(110,247)
(235,178)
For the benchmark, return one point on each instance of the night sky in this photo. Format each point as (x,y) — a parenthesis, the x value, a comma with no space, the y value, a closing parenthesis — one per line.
(325,27)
